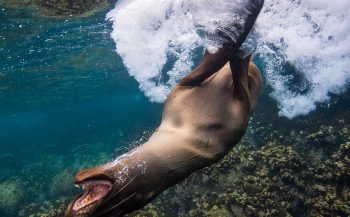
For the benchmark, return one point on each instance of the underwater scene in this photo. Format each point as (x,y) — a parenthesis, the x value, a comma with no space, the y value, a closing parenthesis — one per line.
(83,82)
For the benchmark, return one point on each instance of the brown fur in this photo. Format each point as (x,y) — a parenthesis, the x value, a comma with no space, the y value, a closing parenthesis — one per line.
(204,116)
(200,125)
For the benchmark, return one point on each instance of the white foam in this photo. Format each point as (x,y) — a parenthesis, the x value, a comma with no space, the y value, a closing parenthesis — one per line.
(311,35)
(314,37)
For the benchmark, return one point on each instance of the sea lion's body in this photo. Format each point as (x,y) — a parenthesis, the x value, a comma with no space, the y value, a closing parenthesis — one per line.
(199,126)
(205,115)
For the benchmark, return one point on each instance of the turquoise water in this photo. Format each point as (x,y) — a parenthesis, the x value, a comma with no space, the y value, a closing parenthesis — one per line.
(68,102)
(63,77)
(62,86)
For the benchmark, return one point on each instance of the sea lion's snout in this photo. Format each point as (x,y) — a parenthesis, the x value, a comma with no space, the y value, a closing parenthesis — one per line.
(94,190)
(97,173)
(96,184)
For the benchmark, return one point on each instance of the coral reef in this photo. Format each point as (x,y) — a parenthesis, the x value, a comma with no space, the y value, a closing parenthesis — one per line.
(58,7)
(61,183)
(148,211)
(272,172)
(11,194)
(50,183)
(331,193)
(252,181)
(70,7)
(46,209)
(273,180)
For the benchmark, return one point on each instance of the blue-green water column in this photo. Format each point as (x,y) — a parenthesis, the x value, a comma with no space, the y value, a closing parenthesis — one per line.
(62,84)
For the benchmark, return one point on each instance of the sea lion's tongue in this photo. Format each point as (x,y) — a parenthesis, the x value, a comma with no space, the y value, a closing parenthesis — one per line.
(93,191)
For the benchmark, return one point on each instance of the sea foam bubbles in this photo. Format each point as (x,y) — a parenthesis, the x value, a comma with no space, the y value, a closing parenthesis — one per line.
(304,44)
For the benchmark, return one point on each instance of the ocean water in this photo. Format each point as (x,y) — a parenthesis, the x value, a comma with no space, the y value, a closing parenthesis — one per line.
(63,87)
(315,43)
(77,91)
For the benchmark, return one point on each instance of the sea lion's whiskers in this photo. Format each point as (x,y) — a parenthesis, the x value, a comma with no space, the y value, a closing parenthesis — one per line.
(83,165)
(124,186)
(118,204)
(123,201)
(68,190)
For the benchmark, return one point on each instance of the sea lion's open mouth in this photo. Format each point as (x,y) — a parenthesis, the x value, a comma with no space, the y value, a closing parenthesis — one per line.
(94,190)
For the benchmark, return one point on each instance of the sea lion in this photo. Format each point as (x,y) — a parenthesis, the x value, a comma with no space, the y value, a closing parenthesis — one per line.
(205,115)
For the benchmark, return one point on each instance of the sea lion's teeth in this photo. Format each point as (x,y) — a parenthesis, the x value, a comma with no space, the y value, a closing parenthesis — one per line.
(77,186)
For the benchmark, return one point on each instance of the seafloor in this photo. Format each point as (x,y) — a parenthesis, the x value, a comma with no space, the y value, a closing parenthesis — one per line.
(72,105)
(301,169)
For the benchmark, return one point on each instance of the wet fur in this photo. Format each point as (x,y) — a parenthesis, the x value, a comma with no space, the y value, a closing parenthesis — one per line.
(204,116)
(200,125)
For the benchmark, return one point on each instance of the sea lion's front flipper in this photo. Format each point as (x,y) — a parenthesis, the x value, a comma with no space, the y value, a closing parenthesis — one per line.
(211,63)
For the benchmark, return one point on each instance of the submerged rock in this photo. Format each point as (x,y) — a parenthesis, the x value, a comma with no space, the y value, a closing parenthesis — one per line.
(58,7)
(14,3)
(70,7)
(11,194)
(273,180)
(61,184)
(46,209)
(331,194)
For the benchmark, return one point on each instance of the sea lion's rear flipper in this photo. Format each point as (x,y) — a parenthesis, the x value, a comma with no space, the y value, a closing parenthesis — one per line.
(239,67)
(211,63)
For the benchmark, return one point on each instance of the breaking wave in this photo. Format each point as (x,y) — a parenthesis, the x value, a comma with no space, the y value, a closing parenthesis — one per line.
(304,46)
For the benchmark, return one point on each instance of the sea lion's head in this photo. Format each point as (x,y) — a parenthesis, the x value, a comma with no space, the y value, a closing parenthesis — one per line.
(113,189)
(106,191)
(97,184)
